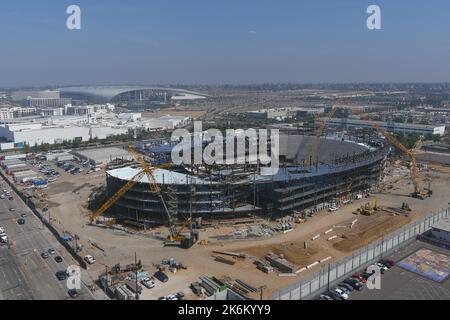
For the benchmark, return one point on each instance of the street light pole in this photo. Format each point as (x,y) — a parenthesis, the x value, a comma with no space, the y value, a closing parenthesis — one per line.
(136,275)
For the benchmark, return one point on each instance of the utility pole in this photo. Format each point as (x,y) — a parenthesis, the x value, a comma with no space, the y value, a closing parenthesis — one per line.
(136,275)
(261,289)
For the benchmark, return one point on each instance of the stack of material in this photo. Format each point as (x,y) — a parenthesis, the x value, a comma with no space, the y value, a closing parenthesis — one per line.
(123,293)
(280,263)
(209,285)
(263,266)
(224,260)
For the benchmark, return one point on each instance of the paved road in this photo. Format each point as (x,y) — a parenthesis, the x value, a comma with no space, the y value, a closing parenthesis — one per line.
(24,274)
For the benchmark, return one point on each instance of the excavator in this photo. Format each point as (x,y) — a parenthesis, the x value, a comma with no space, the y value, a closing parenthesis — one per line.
(369,208)
(175,237)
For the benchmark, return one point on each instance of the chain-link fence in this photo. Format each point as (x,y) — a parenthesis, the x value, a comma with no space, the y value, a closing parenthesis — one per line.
(334,273)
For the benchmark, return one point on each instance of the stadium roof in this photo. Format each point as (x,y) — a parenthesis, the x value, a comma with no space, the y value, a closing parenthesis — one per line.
(108,93)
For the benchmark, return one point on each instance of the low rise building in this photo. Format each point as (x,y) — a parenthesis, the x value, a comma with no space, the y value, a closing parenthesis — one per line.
(389,127)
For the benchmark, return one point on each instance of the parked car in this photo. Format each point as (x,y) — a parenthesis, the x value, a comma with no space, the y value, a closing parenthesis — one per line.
(333,295)
(148,283)
(341,293)
(89,259)
(333,209)
(359,277)
(388,262)
(346,286)
(354,283)
(61,275)
(21,221)
(325,297)
(381,266)
(366,275)
(161,276)
(73,293)
(44,255)
(12,209)
(180,296)
(171,297)
(51,251)
(58,259)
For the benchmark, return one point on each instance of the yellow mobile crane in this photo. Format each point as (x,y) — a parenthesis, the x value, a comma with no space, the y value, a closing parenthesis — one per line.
(174,234)
(419,191)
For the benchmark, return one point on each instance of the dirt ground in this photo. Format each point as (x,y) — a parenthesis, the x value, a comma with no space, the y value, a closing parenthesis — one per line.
(118,246)
(369,231)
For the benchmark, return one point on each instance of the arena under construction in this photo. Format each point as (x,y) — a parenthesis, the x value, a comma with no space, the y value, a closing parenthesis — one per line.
(341,170)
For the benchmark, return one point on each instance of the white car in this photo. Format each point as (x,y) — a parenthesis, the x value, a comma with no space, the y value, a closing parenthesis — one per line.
(382,267)
(89,259)
(171,297)
(148,283)
(3,237)
(333,209)
(341,293)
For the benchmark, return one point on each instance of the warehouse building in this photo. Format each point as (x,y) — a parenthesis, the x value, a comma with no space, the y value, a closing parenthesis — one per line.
(389,127)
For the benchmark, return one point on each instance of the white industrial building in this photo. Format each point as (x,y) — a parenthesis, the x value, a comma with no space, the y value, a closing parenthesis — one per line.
(85,123)
(389,127)
(36,133)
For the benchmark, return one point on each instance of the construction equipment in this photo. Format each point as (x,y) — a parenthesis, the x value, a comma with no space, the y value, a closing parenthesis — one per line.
(419,191)
(175,236)
(406,207)
(369,208)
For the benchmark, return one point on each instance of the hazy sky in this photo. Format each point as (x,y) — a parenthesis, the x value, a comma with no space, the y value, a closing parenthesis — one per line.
(223,41)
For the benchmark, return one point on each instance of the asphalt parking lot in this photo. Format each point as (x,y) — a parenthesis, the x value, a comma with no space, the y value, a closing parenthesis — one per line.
(400,284)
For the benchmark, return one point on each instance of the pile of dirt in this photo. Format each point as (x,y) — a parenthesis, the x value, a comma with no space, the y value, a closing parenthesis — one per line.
(292,251)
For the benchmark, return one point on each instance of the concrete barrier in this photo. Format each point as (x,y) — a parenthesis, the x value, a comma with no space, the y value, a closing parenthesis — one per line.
(331,238)
(316,237)
(300,270)
(328,231)
(312,265)
(325,259)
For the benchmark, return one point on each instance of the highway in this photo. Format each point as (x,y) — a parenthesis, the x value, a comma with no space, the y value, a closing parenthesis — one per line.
(24,274)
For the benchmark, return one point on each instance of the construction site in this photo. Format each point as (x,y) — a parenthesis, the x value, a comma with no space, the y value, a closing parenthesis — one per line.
(212,227)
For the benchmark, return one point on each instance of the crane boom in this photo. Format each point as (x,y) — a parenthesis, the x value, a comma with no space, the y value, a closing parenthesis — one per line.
(418,191)
(116,196)
(154,187)
(312,151)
